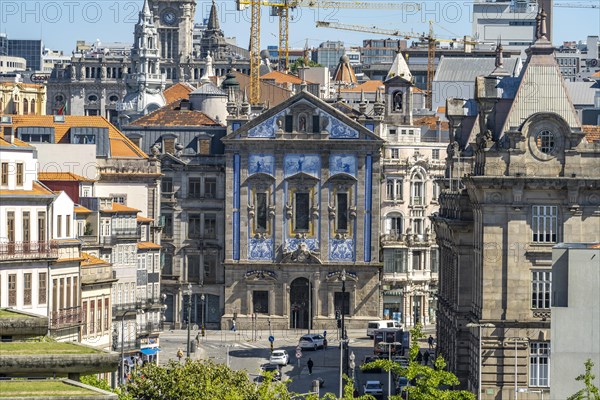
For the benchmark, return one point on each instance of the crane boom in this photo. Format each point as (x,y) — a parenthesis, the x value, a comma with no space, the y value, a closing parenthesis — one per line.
(356,5)
(576,5)
(368,29)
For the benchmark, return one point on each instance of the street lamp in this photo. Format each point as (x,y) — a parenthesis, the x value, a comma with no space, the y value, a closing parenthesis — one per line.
(203,310)
(189,318)
(343,341)
(122,377)
(480,356)
(352,365)
(517,340)
(389,345)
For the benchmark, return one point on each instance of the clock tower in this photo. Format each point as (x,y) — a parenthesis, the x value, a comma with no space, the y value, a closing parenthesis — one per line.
(175,22)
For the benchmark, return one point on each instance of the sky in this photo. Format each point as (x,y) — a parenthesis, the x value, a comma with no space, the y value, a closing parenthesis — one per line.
(60,23)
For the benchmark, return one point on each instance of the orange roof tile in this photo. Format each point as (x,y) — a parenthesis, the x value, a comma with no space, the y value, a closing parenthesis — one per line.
(144,219)
(173,115)
(281,78)
(368,87)
(120,145)
(147,246)
(441,110)
(37,190)
(178,91)
(62,176)
(82,210)
(16,142)
(431,122)
(592,132)
(596,74)
(89,259)
(120,208)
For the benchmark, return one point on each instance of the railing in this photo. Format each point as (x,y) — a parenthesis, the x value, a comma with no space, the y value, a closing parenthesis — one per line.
(393,238)
(417,201)
(128,306)
(28,250)
(168,197)
(125,232)
(66,317)
(148,327)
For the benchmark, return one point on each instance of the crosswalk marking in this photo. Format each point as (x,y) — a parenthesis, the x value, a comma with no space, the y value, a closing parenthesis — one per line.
(233,346)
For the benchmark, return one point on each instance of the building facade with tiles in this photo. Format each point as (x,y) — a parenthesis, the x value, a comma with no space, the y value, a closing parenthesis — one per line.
(301,207)
(522,176)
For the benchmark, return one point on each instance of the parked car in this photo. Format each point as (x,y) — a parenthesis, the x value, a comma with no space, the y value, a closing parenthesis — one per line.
(372,326)
(311,342)
(369,359)
(279,357)
(401,384)
(274,368)
(403,361)
(374,388)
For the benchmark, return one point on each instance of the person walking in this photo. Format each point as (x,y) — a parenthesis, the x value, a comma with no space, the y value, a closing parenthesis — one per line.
(430,341)
(419,357)
(233,327)
(426,358)
(325,344)
(310,364)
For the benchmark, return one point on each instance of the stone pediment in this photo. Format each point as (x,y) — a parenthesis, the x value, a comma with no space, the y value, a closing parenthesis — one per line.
(342,177)
(301,177)
(261,176)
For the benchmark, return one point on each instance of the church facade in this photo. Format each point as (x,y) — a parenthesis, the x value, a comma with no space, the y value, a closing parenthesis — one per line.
(301,209)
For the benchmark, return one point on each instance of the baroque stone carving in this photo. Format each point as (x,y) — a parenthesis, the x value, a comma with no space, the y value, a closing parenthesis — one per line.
(302,254)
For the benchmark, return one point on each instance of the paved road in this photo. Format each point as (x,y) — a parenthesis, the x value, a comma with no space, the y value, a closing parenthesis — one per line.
(249,350)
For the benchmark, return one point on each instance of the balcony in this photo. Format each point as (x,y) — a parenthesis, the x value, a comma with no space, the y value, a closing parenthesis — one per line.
(417,201)
(28,250)
(168,197)
(128,233)
(65,318)
(405,239)
(148,327)
(412,275)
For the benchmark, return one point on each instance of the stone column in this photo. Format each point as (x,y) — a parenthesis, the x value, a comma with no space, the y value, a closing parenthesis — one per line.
(316,302)
(272,309)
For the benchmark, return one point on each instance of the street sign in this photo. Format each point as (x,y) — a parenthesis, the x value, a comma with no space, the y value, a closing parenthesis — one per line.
(298,354)
(271,338)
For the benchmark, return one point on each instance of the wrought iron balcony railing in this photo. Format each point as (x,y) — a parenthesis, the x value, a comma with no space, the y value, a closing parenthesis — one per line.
(28,250)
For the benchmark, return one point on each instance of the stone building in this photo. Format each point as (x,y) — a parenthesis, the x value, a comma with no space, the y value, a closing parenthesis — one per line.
(22,98)
(301,207)
(522,176)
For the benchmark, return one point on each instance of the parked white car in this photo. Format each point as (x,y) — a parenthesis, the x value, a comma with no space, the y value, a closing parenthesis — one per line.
(312,342)
(374,388)
(279,357)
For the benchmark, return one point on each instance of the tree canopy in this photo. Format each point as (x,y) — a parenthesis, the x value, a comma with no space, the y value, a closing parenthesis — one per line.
(590,392)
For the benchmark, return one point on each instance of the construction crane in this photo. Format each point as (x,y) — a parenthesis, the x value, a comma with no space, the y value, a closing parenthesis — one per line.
(576,5)
(429,38)
(281,9)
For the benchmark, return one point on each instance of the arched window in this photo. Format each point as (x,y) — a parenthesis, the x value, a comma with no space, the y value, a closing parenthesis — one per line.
(32,107)
(25,106)
(394,224)
(417,188)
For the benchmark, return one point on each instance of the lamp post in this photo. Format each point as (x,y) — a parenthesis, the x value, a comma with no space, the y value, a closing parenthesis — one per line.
(343,340)
(517,340)
(202,298)
(479,325)
(189,318)
(352,365)
(122,377)
(389,345)
(309,308)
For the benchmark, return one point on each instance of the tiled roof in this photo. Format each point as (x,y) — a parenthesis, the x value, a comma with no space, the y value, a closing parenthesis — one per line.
(173,115)
(16,142)
(344,73)
(120,146)
(88,259)
(178,91)
(147,246)
(37,190)
(120,208)
(592,133)
(280,78)
(430,122)
(62,176)
(141,218)
(82,210)
(270,93)
(368,87)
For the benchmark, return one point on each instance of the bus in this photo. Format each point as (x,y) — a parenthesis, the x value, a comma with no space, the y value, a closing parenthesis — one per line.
(390,335)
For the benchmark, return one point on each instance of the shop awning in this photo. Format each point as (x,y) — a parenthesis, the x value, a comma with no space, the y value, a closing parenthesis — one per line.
(150,351)
(393,293)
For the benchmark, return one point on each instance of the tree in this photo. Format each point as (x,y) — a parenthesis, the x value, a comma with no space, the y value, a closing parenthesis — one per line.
(199,379)
(429,383)
(300,63)
(348,393)
(96,382)
(590,392)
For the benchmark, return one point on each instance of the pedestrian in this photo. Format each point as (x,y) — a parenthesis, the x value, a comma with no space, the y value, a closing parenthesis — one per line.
(310,364)
(426,357)
(233,327)
(419,357)
(325,344)
(430,341)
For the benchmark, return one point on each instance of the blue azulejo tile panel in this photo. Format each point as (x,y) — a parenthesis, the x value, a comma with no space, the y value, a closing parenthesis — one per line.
(260,249)
(341,250)
(292,244)
(308,163)
(342,164)
(267,128)
(339,130)
(261,163)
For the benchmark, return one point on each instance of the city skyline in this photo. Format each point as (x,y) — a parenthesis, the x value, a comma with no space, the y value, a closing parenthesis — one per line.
(116,19)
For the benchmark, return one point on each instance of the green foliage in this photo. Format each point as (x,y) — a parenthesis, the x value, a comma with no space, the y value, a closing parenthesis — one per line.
(348,393)
(96,382)
(429,382)
(200,380)
(590,392)
(300,63)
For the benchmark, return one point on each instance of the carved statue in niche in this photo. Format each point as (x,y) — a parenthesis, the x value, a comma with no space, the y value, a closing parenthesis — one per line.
(271,211)
(398,101)
(302,123)
(352,212)
(301,255)
(250,211)
(155,149)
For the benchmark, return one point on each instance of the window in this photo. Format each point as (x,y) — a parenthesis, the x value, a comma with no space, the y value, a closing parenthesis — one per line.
(68,293)
(539,364)
(392,131)
(418,217)
(26,228)
(261,212)
(19,174)
(42,226)
(541,287)
(260,301)
(338,302)
(302,210)
(99,316)
(10,226)
(545,141)
(119,198)
(106,308)
(417,258)
(75,292)
(434,262)
(167,225)
(12,290)
(166,186)
(394,224)
(435,154)
(342,212)
(395,154)
(194,226)
(393,189)
(210,188)
(417,189)
(68,225)
(544,224)
(27,289)
(194,185)
(210,225)
(59,225)
(84,139)
(42,288)
(92,316)
(193,268)
(4,178)
(84,317)
(395,260)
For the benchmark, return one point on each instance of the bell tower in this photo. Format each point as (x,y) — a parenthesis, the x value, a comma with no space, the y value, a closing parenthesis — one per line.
(175,22)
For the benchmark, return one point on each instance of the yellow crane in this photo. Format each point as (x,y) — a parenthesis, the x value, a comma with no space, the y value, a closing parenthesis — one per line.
(281,9)
(429,38)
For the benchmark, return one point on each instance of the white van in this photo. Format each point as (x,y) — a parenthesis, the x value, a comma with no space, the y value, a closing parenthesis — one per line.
(373,325)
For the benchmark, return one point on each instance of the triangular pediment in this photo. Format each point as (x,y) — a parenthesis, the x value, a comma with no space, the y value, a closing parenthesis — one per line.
(168,159)
(333,124)
(301,177)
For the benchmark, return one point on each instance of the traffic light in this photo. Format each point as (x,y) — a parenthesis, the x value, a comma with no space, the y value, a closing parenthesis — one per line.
(338,315)
(339,323)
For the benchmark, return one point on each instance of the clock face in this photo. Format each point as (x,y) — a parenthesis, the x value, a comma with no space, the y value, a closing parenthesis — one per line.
(169,18)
